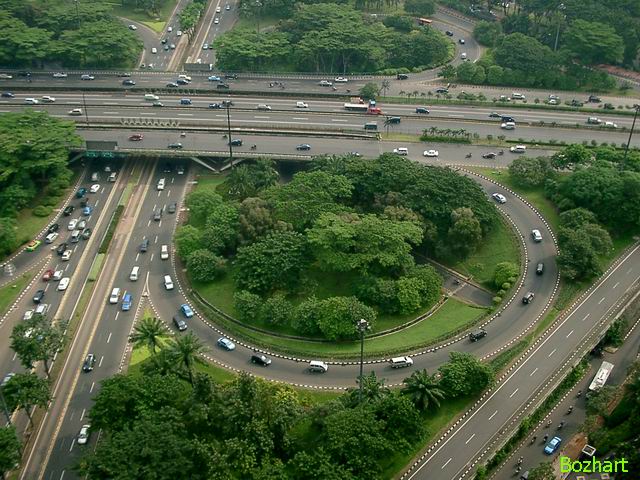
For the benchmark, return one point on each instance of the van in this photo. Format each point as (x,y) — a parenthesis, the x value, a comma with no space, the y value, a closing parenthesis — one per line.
(517,96)
(371,126)
(75,236)
(394,120)
(185,77)
(168,283)
(133,276)
(302,105)
(112,176)
(399,362)
(51,237)
(160,185)
(115,295)
(31,101)
(518,149)
(164,252)
(151,97)
(317,366)
(536,235)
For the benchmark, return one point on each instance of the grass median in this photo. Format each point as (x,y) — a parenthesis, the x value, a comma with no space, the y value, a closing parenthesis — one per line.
(10,292)
(153,21)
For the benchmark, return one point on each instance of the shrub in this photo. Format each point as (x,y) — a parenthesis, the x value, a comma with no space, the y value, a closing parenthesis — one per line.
(42,211)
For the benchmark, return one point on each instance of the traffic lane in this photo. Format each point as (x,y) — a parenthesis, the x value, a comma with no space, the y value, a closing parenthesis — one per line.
(452,456)
(228,18)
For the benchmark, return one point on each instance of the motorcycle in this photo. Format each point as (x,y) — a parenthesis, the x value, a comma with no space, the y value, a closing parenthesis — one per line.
(501,152)
(468,155)
(254,147)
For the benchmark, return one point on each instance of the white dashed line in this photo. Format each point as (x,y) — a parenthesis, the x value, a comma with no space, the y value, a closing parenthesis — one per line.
(109,337)
(618,283)
(533,373)
(569,334)
(514,392)
(554,351)
(586,316)
(446,463)
(493,414)
(601,300)
(470,438)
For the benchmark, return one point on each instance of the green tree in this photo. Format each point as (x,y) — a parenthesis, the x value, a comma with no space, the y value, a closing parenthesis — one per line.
(424,390)
(277,310)
(149,333)
(248,305)
(465,233)
(529,171)
(256,221)
(526,54)
(188,239)
(464,375)
(204,266)
(221,230)
(615,333)
(369,91)
(37,340)
(9,449)
(487,33)
(274,262)
(338,317)
(505,272)
(544,471)
(402,23)
(247,180)
(8,239)
(317,466)
(25,391)
(580,248)
(187,350)
(420,7)
(594,42)
(574,154)
(201,202)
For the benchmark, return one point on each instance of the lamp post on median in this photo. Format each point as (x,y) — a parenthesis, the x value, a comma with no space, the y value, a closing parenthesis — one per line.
(555,45)
(229,134)
(362,327)
(633,126)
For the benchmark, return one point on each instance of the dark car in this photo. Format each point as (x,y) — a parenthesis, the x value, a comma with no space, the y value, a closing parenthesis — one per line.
(461,41)
(475,336)
(144,246)
(303,146)
(489,155)
(163,41)
(81,192)
(576,103)
(62,248)
(124,74)
(393,120)
(68,211)
(175,146)
(540,268)
(421,110)
(495,115)
(402,76)
(128,82)
(86,233)
(179,323)
(227,103)
(233,76)
(593,99)
(53,228)
(528,298)
(215,105)
(260,360)
(506,118)
(172,85)
(157,215)
(38,296)
(449,33)
(84,202)
(222,86)
(442,90)
(172,207)
(7,95)
(235,143)
(167,168)
(182,81)
(608,106)
(89,362)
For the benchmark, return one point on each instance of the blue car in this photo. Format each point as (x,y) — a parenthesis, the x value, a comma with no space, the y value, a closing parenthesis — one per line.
(81,192)
(186,310)
(552,446)
(126,302)
(214,78)
(87,210)
(226,343)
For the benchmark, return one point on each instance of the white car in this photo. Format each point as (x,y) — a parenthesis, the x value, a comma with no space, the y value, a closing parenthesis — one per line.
(28,315)
(463,56)
(302,105)
(498,197)
(66,256)
(262,106)
(82,224)
(154,50)
(31,101)
(218,9)
(518,149)
(6,76)
(48,99)
(64,283)
(57,275)
(508,126)
(170,29)
(325,83)
(216,21)
(73,223)
(227,7)
(610,125)
(518,96)
(179,33)
(341,80)
(83,436)
(59,75)
(94,188)
(132,27)
(75,112)
(404,151)
(430,153)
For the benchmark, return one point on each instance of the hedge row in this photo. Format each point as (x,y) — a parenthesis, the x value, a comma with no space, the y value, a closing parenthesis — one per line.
(104,246)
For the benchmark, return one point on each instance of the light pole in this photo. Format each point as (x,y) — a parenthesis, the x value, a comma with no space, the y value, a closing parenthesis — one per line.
(555,45)
(258,5)
(4,407)
(633,125)
(229,134)
(86,113)
(77,14)
(362,327)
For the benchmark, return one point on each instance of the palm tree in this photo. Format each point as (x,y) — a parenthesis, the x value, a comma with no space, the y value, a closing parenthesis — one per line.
(372,388)
(149,333)
(186,351)
(424,390)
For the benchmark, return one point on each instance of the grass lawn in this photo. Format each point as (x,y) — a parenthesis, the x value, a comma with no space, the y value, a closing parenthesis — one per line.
(154,22)
(265,22)
(500,245)
(10,292)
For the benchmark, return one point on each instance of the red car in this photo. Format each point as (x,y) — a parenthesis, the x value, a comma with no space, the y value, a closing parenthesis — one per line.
(47,275)
(136,137)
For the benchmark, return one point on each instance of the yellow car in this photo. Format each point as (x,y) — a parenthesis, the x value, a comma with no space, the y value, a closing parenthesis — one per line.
(33,245)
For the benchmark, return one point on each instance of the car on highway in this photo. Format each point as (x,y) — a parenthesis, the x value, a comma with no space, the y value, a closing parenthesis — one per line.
(180,170)
(86,233)
(75,112)
(144,246)
(28,315)
(404,151)
(64,283)
(302,105)
(263,106)
(136,137)
(87,77)
(227,7)
(448,33)
(489,155)
(47,275)
(236,142)
(610,125)
(38,296)
(164,252)
(170,29)
(53,228)
(87,210)
(303,146)
(7,95)
(205,46)
(508,126)
(57,275)
(463,56)
(128,82)
(157,215)
(400,362)
(218,9)
(540,268)
(216,21)
(536,235)
(185,101)
(48,99)
(59,75)
(5,76)
(172,85)
(214,78)
(166,48)
(325,83)
(461,41)
(175,146)
(260,359)
(85,432)
(127,300)
(216,106)
(172,207)
(593,99)
(518,96)
(157,104)
(223,86)
(33,244)
(168,282)
(498,197)
(528,297)
(132,27)
(62,248)
(94,188)
(225,343)
(66,256)
(182,81)
(430,153)
(186,310)
(7,378)
(31,101)
(422,110)
(495,115)
(341,80)
(68,210)
(89,362)
(552,446)
(179,323)
(172,46)
(477,335)
(154,50)
(518,149)
(81,192)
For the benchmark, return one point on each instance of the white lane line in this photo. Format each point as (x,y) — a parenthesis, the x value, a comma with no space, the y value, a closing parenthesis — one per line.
(300,118)
(111,113)
(151,259)
(514,392)
(493,414)
(82,414)
(100,362)
(586,316)
(455,116)
(73,442)
(601,300)
(446,463)
(533,373)
(148,114)
(62,474)
(92,385)
(155,240)
(137,256)
(338,120)
(554,351)
(618,283)
(569,334)
(96,204)
(118,312)
(109,337)
(185,114)
(629,271)
(13,359)
(110,103)
(470,438)
(261,118)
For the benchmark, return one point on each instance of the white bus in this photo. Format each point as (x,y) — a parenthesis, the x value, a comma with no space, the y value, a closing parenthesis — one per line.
(601,377)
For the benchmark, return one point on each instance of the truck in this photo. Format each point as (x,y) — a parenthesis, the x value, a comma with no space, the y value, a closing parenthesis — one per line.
(358,105)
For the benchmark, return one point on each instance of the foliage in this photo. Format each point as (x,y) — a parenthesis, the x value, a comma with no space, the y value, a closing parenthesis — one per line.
(402,23)
(530,171)
(200,202)
(9,449)
(544,471)
(8,238)
(149,332)
(594,42)
(188,239)
(248,305)
(369,91)
(186,351)
(505,272)
(204,266)
(25,391)
(277,310)
(255,220)
(487,33)
(220,233)
(465,234)
(420,7)
(464,375)
(247,180)
(424,390)
(615,333)
(37,340)
(337,317)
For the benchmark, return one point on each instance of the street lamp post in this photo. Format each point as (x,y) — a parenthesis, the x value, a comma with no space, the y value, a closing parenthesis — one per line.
(77,14)
(362,327)
(555,45)
(86,113)
(229,134)
(633,126)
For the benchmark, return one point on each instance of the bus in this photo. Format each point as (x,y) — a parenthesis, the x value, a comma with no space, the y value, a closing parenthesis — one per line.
(601,377)
(424,22)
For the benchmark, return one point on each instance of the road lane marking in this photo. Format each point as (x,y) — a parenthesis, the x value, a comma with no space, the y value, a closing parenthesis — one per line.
(532,373)
(92,385)
(82,414)
(446,463)
(586,316)
(109,337)
(100,362)
(493,414)
(73,442)
(62,474)
(155,240)
(111,113)
(569,334)
(629,271)
(185,114)
(118,312)
(514,392)
(554,351)
(470,438)
(601,300)
(151,259)
(300,118)
(338,120)
(261,118)
(618,283)
(148,114)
